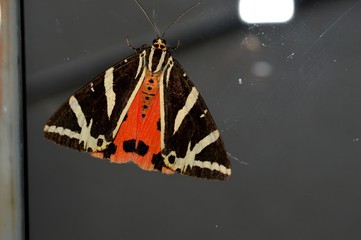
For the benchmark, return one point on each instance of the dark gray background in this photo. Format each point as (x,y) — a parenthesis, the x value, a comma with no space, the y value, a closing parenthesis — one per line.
(298,128)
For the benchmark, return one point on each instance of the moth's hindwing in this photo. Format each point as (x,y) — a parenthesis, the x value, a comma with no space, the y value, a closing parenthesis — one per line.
(144,109)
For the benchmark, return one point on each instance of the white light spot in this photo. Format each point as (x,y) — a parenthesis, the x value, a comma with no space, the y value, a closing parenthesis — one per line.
(126,60)
(204,114)
(184,74)
(92,87)
(291,56)
(265,11)
(262,69)
(355,139)
(240,81)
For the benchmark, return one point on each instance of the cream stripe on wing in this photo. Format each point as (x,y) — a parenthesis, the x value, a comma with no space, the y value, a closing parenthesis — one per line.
(61,131)
(130,101)
(191,100)
(150,59)
(84,136)
(189,159)
(109,91)
(212,166)
(141,65)
(170,64)
(141,62)
(162,117)
(167,69)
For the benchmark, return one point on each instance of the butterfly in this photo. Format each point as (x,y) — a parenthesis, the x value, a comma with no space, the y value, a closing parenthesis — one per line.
(145,110)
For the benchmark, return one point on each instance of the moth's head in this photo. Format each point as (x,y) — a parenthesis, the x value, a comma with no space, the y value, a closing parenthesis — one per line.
(160,44)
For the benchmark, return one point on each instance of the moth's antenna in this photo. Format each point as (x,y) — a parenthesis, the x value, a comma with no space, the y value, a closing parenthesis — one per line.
(156,30)
(181,15)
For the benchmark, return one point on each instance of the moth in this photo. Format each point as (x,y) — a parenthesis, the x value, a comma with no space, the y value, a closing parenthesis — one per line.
(144,110)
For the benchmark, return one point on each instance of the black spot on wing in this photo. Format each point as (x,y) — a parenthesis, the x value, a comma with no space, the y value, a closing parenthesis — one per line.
(158,125)
(171,159)
(99,142)
(111,149)
(129,146)
(158,162)
(142,148)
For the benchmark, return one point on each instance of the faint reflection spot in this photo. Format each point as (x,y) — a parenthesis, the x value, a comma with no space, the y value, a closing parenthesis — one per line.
(251,42)
(262,69)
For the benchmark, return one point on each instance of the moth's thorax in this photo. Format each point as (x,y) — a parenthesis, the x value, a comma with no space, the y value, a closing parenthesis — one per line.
(157,56)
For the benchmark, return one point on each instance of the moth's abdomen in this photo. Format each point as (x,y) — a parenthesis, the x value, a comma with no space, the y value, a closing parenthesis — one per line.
(149,88)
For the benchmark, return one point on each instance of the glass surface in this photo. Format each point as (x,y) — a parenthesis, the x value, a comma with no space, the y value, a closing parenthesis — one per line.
(286,98)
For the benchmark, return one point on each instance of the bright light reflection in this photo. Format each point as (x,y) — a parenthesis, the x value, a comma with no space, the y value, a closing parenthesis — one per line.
(266,11)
